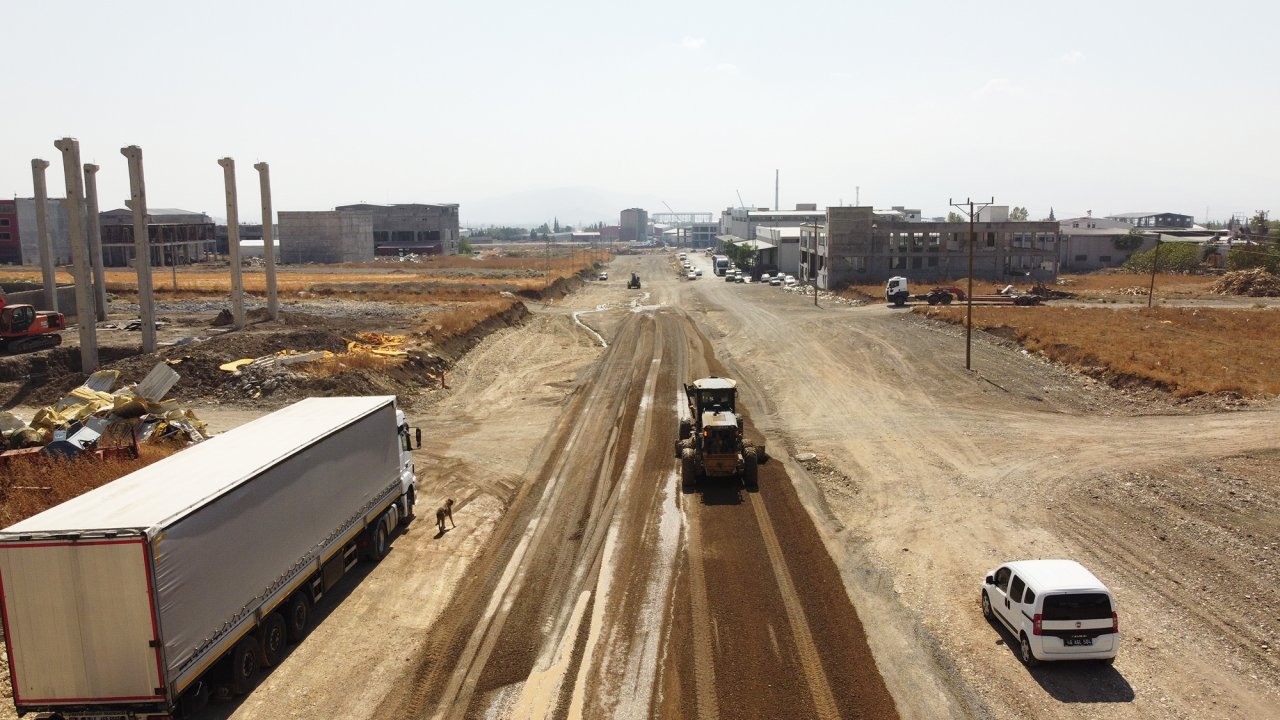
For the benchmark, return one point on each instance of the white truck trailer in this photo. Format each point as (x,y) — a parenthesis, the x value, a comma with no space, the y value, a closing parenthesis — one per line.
(133,600)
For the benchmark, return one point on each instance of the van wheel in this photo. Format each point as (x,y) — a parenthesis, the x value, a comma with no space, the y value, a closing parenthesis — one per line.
(1024,649)
(246,658)
(299,617)
(986,608)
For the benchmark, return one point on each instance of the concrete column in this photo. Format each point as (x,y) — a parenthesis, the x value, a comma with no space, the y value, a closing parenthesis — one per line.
(44,242)
(95,239)
(85,315)
(268,239)
(233,242)
(141,246)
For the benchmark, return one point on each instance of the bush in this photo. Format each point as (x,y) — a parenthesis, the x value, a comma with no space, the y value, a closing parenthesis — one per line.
(1174,258)
(1255,256)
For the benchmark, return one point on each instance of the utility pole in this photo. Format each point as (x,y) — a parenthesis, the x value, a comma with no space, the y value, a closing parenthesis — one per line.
(1155,261)
(973,240)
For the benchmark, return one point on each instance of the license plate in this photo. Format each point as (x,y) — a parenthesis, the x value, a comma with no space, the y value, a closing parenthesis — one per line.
(95,716)
(1077,642)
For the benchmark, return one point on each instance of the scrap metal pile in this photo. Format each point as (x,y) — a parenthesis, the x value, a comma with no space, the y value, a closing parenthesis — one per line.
(94,420)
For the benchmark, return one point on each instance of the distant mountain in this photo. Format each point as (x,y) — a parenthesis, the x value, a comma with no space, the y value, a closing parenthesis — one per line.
(571,206)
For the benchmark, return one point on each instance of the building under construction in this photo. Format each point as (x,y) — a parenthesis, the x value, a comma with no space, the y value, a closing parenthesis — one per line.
(177,237)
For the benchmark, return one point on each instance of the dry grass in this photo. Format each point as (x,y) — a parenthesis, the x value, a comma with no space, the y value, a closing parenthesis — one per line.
(1186,351)
(467,274)
(338,364)
(30,487)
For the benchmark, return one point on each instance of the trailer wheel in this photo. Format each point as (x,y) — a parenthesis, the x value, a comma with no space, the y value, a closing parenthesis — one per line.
(946,298)
(299,616)
(195,699)
(750,470)
(246,658)
(932,299)
(275,638)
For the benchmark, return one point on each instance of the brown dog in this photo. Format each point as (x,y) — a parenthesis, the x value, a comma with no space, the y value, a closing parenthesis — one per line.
(445,511)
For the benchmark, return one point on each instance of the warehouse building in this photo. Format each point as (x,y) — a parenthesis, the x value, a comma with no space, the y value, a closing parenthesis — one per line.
(411,228)
(10,243)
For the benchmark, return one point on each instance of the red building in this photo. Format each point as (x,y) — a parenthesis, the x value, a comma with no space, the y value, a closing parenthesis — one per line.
(10,246)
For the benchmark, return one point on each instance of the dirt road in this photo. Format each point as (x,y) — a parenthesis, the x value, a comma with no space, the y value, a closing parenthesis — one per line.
(581,583)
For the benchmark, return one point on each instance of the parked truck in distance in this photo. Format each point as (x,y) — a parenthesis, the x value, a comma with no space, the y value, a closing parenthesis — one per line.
(896,292)
(138,599)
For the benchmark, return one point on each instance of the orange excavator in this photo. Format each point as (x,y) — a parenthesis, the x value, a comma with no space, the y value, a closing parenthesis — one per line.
(24,329)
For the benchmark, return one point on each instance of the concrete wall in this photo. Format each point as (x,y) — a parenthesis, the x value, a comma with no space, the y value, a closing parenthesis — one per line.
(328,236)
(59,230)
(66,299)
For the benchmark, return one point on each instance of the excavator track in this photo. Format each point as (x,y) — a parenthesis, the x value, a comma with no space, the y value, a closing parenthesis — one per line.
(32,343)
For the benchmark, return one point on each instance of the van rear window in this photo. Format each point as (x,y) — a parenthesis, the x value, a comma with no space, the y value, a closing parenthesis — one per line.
(1077,606)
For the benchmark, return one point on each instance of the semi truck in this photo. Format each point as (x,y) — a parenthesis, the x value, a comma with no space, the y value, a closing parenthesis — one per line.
(137,600)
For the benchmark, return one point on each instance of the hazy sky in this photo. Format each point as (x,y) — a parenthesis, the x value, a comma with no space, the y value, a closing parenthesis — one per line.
(522,111)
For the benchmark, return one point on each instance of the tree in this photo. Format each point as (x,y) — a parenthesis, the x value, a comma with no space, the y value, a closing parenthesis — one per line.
(1176,257)
(464,246)
(1019,214)
(556,227)
(1130,241)
(954,217)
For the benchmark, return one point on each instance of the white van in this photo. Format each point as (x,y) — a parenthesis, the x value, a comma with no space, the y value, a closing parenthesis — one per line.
(1057,609)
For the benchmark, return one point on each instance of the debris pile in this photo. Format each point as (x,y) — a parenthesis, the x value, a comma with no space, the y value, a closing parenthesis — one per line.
(1255,282)
(93,419)
(1134,290)
(265,375)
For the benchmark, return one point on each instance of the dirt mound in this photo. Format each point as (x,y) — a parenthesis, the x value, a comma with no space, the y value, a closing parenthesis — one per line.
(1256,282)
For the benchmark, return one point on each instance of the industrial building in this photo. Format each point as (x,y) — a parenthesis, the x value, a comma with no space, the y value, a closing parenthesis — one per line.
(740,223)
(176,237)
(1152,220)
(362,232)
(411,228)
(10,244)
(635,225)
(861,245)
(1089,243)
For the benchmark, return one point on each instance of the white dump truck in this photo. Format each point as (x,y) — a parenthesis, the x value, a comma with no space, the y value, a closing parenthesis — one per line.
(136,599)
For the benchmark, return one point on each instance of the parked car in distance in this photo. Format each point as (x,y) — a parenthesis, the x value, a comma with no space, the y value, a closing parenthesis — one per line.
(698,271)
(776,280)
(729,277)
(1056,609)
(604,276)
(765,277)
(740,278)
(693,275)
(789,280)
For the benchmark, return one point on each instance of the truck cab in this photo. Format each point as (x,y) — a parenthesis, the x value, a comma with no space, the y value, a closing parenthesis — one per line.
(895,291)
